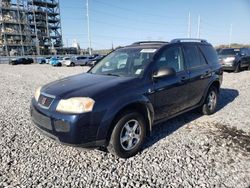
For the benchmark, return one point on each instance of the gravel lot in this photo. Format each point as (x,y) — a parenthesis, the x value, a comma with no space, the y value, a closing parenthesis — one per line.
(187,151)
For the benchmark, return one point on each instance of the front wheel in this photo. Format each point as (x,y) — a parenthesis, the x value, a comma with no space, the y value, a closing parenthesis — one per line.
(210,104)
(128,135)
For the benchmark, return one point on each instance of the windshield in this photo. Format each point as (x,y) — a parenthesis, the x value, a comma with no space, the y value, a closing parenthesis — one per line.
(229,52)
(129,62)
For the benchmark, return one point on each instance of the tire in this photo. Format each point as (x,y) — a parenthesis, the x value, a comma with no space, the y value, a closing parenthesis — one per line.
(237,69)
(72,64)
(133,139)
(59,64)
(248,67)
(211,102)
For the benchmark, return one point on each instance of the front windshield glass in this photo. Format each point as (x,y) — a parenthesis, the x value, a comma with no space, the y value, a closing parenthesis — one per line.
(129,62)
(229,52)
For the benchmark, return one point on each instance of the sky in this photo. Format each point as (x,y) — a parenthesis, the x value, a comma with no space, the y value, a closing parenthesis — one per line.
(121,22)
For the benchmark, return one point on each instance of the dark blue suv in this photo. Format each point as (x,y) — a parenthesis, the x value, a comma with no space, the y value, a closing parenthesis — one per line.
(117,103)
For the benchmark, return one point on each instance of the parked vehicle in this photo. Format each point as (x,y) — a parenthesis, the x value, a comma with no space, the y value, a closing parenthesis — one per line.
(79,60)
(68,62)
(41,60)
(54,61)
(62,60)
(117,103)
(47,59)
(21,60)
(94,59)
(235,59)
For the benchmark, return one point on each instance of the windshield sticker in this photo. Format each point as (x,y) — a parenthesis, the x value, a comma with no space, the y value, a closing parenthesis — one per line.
(148,50)
(138,71)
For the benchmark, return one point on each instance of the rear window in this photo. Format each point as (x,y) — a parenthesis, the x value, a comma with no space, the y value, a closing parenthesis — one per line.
(193,56)
(210,54)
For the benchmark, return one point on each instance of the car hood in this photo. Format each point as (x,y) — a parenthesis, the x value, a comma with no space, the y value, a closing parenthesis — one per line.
(85,85)
(225,56)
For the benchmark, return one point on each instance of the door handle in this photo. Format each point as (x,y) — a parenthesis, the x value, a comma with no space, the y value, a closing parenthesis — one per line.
(206,74)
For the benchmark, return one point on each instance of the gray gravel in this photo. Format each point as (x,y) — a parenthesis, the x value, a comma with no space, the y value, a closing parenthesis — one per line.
(187,151)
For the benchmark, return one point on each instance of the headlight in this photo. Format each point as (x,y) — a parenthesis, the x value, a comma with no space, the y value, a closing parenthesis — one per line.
(37,93)
(229,59)
(75,105)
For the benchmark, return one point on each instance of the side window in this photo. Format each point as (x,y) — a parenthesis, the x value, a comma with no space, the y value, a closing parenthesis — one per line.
(171,57)
(210,54)
(244,51)
(202,59)
(193,57)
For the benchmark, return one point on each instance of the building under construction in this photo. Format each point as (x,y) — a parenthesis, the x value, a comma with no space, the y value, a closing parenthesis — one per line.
(30,27)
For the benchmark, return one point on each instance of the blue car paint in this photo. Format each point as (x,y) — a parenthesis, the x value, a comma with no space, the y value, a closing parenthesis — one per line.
(54,61)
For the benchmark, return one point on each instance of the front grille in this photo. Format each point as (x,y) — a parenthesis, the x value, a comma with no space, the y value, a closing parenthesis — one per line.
(45,101)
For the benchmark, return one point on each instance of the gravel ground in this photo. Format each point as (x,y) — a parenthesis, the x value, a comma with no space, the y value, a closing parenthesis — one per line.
(187,151)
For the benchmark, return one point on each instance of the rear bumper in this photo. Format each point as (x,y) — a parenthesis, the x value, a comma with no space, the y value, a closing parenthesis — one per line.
(73,130)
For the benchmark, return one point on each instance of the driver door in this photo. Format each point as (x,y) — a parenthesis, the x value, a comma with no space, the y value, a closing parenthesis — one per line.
(171,93)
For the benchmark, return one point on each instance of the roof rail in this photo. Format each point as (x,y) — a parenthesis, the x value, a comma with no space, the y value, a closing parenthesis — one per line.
(149,42)
(188,40)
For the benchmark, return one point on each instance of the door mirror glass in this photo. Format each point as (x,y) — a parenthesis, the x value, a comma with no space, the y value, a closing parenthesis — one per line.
(164,72)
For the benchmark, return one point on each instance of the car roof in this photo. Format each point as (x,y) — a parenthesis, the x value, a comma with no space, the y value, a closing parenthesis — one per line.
(159,44)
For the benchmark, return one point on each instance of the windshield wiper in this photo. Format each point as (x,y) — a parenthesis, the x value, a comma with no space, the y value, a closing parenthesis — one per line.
(111,74)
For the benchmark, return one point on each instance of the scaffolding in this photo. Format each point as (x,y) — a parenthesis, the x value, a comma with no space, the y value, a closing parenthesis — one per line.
(45,22)
(29,27)
(15,32)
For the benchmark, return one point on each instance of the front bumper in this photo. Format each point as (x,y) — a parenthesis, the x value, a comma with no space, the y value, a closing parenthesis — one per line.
(228,66)
(74,130)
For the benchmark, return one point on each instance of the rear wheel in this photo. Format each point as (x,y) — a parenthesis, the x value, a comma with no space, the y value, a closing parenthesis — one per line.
(59,64)
(128,135)
(210,104)
(72,64)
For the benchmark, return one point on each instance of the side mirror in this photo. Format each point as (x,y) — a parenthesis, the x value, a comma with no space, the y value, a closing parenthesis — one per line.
(164,72)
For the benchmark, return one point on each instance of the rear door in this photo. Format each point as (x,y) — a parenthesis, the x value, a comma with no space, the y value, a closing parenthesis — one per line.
(199,72)
(170,93)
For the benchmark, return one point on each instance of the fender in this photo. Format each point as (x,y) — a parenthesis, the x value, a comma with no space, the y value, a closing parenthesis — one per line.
(106,123)
(216,79)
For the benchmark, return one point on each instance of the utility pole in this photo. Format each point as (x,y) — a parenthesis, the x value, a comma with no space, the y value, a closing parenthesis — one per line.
(189,25)
(230,35)
(89,36)
(112,47)
(199,27)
